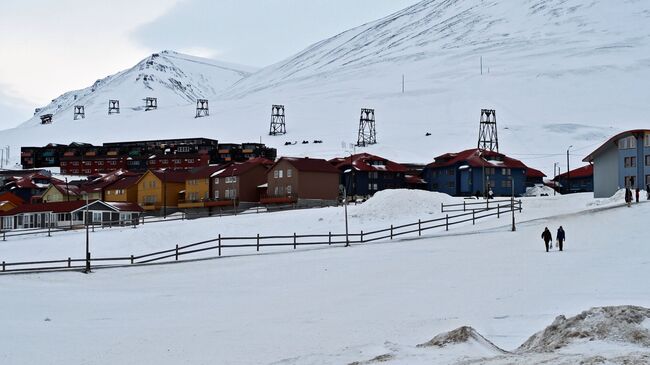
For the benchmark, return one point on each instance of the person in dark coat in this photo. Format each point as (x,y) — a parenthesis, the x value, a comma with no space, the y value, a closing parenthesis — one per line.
(647,191)
(547,237)
(561,236)
(637,194)
(628,196)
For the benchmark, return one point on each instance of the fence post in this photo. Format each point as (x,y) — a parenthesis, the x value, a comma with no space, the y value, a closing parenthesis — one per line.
(463,205)
(498,211)
(3,266)
(446,222)
(473,217)
(294,240)
(4,235)
(361,236)
(69,262)
(258,242)
(419,227)
(131,259)
(442,207)
(391,231)
(143,219)
(329,241)
(48,231)
(176,252)
(93,225)
(219,244)
(519,205)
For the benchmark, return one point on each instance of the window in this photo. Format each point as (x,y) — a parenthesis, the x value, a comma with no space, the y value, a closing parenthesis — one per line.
(647,180)
(373,175)
(97,216)
(194,196)
(231,179)
(275,174)
(63,163)
(506,183)
(184,149)
(100,163)
(113,163)
(152,184)
(231,194)
(289,172)
(75,163)
(646,140)
(280,173)
(627,143)
(372,187)
(629,182)
(630,161)
(216,194)
(177,161)
(150,199)
(190,160)
(506,172)
(647,160)
(288,187)
(216,181)
(87,163)
(490,171)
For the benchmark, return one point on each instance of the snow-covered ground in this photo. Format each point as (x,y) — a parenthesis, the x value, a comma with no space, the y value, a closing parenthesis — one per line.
(336,305)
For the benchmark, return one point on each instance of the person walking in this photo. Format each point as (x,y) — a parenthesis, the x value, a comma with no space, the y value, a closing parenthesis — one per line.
(628,197)
(647,191)
(547,237)
(561,236)
(637,194)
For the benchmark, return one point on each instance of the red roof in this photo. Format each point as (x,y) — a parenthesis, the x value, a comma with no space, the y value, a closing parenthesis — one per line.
(582,172)
(367,162)
(477,158)
(307,164)
(26,182)
(237,169)
(531,172)
(414,180)
(207,171)
(126,206)
(124,183)
(171,176)
(590,157)
(8,196)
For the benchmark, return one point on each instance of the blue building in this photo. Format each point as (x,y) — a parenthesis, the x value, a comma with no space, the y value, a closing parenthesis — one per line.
(623,161)
(580,180)
(476,171)
(364,174)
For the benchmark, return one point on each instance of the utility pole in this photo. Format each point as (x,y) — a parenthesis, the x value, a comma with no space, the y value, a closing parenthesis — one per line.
(568,171)
(555,177)
(87,239)
(345,205)
(481,65)
(402,83)
(512,202)
(234,190)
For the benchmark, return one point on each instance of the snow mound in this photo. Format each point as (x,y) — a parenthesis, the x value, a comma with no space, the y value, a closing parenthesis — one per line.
(623,324)
(539,190)
(401,202)
(462,335)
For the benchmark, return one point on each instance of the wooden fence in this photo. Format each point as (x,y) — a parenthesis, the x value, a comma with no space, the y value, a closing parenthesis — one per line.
(257,242)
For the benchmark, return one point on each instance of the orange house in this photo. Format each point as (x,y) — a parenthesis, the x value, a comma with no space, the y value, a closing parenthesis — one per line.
(123,190)
(159,189)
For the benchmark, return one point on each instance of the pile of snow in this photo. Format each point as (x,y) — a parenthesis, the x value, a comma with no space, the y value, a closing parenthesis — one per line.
(618,197)
(623,324)
(464,335)
(402,202)
(539,190)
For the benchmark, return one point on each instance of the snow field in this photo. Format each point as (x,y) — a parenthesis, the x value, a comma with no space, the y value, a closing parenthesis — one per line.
(336,305)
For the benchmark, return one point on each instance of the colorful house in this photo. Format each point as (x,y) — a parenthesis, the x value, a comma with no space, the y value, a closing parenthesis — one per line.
(364,174)
(123,190)
(303,181)
(579,180)
(476,171)
(161,189)
(238,183)
(622,161)
(69,214)
(28,186)
(198,188)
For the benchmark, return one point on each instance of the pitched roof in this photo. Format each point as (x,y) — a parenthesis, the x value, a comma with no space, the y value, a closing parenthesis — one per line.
(609,142)
(67,207)
(237,169)
(171,176)
(206,172)
(307,164)
(27,181)
(9,196)
(124,183)
(531,172)
(579,173)
(367,162)
(477,158)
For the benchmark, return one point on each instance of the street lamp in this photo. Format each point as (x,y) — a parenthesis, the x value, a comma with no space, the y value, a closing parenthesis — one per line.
(87,237)
(234,189)
(568,171)
(555,168)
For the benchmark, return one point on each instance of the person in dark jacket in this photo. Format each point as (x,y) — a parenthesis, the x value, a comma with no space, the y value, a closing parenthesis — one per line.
(547,237)
(637,194)
(561,236)
(628,196)
(647,191)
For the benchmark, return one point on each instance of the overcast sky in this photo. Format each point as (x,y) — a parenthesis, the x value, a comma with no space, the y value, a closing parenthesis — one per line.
(49,47)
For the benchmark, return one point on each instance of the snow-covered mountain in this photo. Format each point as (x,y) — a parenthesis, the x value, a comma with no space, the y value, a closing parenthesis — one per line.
(174,78)
(558,72)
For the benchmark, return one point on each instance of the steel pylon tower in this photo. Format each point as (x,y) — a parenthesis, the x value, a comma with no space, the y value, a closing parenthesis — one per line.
(487,134)
(278,125)
(367,132)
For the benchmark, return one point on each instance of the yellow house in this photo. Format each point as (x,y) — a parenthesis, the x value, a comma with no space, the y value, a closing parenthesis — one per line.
(198,187)
(69,192)
(160,188)
(123,190)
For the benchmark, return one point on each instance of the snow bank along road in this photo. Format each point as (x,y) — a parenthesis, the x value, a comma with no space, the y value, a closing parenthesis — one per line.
(329,306)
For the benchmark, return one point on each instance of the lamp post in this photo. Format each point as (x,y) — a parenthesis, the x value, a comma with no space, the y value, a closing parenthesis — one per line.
(568,172)
(512,202)
(555,177)
(234,189)
(87,238)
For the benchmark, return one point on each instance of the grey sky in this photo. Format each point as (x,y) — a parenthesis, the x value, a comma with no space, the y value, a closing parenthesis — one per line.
(50,47)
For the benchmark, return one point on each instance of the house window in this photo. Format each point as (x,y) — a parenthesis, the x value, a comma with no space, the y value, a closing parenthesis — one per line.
(280,173)
(150,199)
(647,180)
(231,179)
(627,143)
(152,184)
(100,163)
(177,161)
(231,194)
(194,196)
(372,187)
(506,172)
(647,160)
(113,163)
(75,163)
(288,186)
(190,160)
(490,171)
(87,163)
(216,181)
(646,140)
(506,183)
(289,172)
(630,161)
(184,149)
(97,216)
(63,163)
(275,174)
(216,194)
(630,182)
(373,175)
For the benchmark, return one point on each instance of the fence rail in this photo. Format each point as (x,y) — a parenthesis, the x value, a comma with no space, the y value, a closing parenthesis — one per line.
(258,242)
(473,205)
